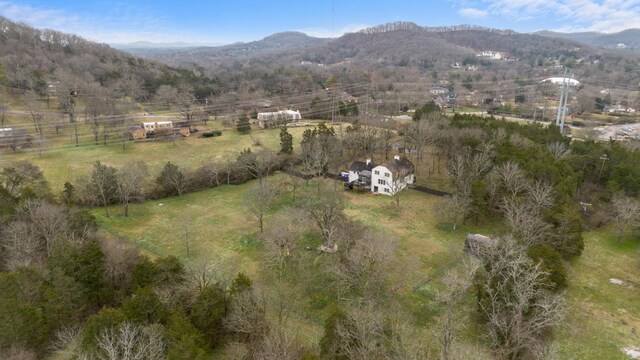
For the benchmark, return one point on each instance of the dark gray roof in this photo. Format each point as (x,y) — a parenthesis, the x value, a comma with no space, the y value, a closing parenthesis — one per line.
(358,166)
(402,166)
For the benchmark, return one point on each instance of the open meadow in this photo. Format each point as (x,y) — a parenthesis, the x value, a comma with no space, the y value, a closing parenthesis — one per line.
(601,316)
(61,160)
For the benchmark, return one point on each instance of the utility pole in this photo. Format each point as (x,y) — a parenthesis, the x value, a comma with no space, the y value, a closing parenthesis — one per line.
(604,158)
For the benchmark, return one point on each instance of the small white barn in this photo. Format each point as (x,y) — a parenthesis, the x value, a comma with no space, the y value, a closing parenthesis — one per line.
(6,132)
(392,176)
(153,126)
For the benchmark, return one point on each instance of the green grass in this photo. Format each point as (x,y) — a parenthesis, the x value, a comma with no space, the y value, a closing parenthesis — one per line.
(601,315)
(220,228)
(62,160)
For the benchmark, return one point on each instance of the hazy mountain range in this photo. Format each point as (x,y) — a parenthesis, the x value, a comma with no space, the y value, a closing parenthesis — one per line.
(627,39)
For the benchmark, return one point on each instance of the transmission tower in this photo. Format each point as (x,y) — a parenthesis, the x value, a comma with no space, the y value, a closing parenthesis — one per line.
(564,97)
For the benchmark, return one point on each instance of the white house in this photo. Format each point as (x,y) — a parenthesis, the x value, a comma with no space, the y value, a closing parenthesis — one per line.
(360,173)
(491,54)
(618,109)
(6,132)
(153,126)
(392,176)
(275,118)
(438,90)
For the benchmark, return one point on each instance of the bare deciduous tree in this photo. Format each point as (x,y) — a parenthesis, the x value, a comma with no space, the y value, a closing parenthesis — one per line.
(626,213)
(21,247)
(525,221)
(120,262)
(131,342)
(49,221)
(258,200)
(457,283)
(212,171)
(280,238)
(277,345)
(515,301)
(257,164)
(453,208)
(512,177)
(559,150)
(129,182)
(325,206)
(366,263)
(540,194)
(248,317)
(104,181)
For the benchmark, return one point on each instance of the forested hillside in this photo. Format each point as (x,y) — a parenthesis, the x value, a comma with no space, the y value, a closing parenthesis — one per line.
(45,61)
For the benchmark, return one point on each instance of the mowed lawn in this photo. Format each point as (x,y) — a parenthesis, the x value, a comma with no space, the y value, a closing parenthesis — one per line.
(602,317)
(62,161)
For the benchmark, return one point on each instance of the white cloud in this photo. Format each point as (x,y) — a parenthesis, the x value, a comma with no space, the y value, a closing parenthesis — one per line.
(574,15)
(327,33)
(473,13)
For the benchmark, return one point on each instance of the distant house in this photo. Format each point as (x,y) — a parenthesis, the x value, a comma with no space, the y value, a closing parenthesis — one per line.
(448,100)
(438,90)
(137,132)
(6,132)
(151,127)
(345,97)
(277,118)
(491,54)
(392,176)
(184,130)
(360,174)
(618,109)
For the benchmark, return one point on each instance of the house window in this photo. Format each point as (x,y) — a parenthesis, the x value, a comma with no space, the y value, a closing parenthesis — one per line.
(386,189)
(387,174)
(377,172)
(382,182)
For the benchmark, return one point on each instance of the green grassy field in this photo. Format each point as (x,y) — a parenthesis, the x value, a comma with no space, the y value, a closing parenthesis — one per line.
(600,316)
(61,160)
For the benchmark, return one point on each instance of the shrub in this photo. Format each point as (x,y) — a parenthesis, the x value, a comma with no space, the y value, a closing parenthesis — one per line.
(212,133)
(551,261)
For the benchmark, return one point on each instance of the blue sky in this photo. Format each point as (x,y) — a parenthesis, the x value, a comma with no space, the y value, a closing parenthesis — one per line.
(216,21)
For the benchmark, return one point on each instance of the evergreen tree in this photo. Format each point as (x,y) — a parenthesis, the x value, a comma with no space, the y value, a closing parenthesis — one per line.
(286,141)
(145,307)
(243,125)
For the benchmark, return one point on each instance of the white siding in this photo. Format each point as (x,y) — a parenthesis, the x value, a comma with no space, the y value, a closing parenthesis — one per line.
(386,184)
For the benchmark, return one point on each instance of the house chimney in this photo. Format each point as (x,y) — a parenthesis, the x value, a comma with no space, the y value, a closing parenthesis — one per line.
(397,157)
(368,161)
